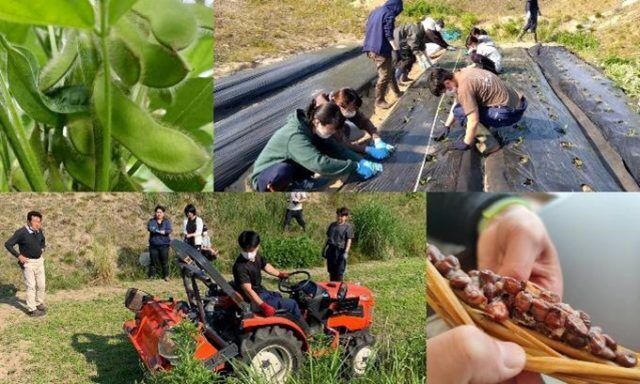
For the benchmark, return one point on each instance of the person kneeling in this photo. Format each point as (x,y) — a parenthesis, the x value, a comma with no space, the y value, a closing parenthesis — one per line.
(247,276)
(485,55)
(481,97)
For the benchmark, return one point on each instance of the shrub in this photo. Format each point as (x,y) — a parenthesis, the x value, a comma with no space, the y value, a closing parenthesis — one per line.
(418,9)
(378,231)
(103,269)
(577,40)
(292,252)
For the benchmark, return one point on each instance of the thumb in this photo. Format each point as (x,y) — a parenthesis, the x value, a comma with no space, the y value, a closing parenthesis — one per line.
(466,355)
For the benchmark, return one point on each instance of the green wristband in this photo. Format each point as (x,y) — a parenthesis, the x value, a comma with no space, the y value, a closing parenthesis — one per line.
(497,208)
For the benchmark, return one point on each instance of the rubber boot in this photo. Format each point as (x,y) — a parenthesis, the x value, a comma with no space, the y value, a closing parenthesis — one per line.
(380,101)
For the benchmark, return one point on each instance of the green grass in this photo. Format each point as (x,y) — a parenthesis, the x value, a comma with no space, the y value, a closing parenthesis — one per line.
(81,340)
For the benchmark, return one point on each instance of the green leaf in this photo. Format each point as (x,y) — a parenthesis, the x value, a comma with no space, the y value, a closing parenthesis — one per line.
(200,55)
(69,99)
(80,168)
(159,147)
(19,179)
(203,14)
(15,33)
(161,67)
(60,64)
(172,22)
(67,13)
(22,85)
(124,61)
(117,8)
(193,106)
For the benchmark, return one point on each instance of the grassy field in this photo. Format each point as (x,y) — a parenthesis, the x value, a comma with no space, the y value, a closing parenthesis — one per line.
(96,239)
(81,341)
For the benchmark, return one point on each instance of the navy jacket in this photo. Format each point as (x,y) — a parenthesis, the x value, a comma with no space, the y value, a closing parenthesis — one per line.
(159,234)
(380,26)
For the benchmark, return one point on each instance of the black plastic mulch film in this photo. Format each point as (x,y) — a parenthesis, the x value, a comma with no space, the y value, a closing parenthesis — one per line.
(547,150)
(247,87)
(240,137)
(604,103)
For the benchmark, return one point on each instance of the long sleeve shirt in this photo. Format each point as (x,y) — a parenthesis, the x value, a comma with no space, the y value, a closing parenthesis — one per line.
(30,243)
(159,233)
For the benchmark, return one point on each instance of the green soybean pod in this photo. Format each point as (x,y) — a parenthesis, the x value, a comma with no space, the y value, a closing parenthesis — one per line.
(80,132)
(88,61)
(60,64)
(161,67)
(192,182)
(22,85)
(124,61)
(80,168)
(173,23)
(159,147)
(203,14)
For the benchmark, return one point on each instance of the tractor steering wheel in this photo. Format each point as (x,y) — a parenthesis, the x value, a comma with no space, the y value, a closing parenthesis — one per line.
(285,286)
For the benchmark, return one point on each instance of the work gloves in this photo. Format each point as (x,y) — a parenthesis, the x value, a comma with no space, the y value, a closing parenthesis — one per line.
(378,143)
(283,275)
(377,153)
(267,310)
(368,169)
(459,145)
(441,133)
(345,255)
(451,48)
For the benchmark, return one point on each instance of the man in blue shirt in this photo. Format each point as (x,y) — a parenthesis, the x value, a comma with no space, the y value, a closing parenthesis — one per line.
(380,46)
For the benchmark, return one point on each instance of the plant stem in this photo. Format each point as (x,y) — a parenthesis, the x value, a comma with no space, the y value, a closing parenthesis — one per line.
(103,133)
(52,41)
(17,137)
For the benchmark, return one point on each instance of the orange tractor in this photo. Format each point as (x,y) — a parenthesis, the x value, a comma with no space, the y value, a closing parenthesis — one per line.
(230,329)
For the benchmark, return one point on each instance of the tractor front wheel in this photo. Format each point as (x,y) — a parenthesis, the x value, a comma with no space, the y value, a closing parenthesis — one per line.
(273,353)
(359,353)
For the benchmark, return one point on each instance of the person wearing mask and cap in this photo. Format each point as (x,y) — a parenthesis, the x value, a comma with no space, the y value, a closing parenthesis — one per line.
(481,98)
(412,39)
(533,11)
(247,277)
(435,44)
(350,103)
(484,55)
(192,227)
(381,47)
(304,147)
(31,244)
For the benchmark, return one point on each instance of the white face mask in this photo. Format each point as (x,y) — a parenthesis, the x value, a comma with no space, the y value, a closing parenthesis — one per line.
(251,256)
(349,114)
(322,134)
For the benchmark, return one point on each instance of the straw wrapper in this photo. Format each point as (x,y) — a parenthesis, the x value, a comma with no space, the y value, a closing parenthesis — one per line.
(544,355)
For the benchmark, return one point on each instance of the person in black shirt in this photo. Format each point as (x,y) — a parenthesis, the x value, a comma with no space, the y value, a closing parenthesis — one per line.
(193,227)
(31,244)
(247,276)
(533,11)
(336,249)
(159,240)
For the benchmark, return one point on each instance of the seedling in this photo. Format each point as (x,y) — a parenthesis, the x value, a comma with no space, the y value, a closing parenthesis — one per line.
(577,162)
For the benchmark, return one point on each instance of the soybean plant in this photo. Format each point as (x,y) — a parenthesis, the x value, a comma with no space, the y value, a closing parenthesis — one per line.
(106,95)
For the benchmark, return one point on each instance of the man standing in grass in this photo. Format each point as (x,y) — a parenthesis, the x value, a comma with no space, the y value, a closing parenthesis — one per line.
(533,11)
(336,249)
(294,210)
(31,243)
(381,47)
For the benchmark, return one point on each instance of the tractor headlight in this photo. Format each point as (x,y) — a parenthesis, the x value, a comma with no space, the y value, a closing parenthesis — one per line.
(167,347)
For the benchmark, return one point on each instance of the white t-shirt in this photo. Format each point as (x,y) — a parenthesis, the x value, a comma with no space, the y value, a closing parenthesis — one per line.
(490,51)
(296,196)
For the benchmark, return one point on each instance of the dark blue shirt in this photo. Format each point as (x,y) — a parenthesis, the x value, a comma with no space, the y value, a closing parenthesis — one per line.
(380,26)
(159,233)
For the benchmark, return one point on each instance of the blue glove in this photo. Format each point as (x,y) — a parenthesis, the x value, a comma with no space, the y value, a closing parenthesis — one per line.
(377,153)
(440,134)
(367,169)
(459,145)
(378,143)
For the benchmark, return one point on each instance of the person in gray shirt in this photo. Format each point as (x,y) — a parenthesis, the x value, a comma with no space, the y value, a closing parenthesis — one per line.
(336,250)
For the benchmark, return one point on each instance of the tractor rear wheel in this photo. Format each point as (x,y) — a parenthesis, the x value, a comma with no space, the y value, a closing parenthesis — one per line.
(273,353)
(359,353)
